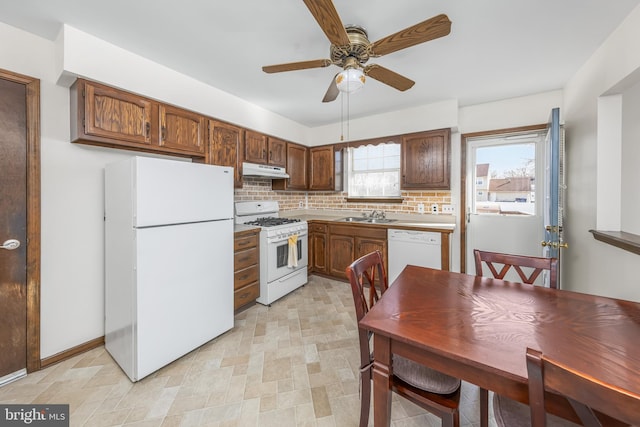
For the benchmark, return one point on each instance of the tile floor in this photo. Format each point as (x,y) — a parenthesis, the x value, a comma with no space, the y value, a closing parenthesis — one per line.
(292,364)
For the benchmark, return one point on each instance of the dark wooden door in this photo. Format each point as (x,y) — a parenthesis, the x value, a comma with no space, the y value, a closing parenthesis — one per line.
(13,225)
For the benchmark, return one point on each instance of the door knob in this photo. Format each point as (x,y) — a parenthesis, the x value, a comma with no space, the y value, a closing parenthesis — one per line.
(555,245)
(10,244)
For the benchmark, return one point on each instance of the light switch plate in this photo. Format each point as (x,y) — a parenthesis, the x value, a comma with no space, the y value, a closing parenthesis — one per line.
(448,209)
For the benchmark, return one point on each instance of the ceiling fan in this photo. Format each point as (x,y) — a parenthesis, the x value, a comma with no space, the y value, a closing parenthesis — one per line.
(351,49)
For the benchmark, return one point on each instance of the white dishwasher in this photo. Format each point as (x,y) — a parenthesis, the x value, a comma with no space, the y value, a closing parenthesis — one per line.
(413,247)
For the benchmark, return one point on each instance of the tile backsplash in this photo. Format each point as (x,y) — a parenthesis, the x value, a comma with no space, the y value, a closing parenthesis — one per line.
(260,189)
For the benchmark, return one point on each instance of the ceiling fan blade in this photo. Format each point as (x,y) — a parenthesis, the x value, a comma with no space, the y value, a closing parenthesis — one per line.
(388,77)
(292,66)
(438,26)
(327,17)
(332,91)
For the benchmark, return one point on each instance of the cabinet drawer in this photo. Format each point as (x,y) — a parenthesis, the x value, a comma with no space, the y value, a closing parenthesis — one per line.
(246,276)
(317,228)
(242,243)
(246,295)
(244,259)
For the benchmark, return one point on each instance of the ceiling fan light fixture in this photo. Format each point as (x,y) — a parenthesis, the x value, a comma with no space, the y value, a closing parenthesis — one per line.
(350,80)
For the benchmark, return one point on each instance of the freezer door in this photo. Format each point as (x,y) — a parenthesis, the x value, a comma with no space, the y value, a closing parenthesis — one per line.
(176,192)
(184,290)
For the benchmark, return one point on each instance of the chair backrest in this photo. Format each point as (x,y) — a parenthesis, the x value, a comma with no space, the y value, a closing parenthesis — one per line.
(363,274)
(517,262)
(585,394)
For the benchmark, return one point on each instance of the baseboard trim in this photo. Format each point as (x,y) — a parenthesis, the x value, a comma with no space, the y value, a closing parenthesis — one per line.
(74,351)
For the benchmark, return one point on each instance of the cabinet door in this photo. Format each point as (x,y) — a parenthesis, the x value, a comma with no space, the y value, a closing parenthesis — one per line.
(365,245)
(426,160)
(341,255)
(182,130)
(277,155)
(255,147)
(224,146)
(297,166)
(318,247)
(115,115)
(321,164)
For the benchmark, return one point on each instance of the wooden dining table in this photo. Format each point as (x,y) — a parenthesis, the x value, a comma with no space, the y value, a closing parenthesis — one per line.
(478,329)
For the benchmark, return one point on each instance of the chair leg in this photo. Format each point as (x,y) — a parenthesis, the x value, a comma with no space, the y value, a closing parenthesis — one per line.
(451,420)
(484,407)
(365,397)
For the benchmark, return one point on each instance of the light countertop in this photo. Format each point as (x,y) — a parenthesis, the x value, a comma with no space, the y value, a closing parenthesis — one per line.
(427,221)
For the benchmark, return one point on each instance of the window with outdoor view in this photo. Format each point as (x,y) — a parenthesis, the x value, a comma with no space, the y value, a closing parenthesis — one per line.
(373,171)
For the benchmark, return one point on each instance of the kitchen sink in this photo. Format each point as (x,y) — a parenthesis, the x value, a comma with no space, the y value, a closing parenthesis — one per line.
(367,220)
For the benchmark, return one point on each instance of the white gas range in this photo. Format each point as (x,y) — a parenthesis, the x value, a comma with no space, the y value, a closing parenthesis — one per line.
(283,248)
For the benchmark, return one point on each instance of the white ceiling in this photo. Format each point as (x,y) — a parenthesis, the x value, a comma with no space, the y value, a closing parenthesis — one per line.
(497,49)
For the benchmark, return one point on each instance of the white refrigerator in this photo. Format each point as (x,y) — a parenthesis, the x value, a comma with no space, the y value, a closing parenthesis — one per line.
(168,260)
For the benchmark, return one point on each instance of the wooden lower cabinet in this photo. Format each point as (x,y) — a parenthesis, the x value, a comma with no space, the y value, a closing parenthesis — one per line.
(246,267)
(318,248)
(349,242)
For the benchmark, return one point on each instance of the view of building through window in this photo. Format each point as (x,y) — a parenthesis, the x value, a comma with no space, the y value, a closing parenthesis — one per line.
(374,171)
(505,179)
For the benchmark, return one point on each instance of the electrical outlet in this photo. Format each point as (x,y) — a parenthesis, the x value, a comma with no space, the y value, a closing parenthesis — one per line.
(448,209)
(434,208)
(420,207)
(300,204)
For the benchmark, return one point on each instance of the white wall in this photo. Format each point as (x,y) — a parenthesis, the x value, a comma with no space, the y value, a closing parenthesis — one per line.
(427,117)
(589,265)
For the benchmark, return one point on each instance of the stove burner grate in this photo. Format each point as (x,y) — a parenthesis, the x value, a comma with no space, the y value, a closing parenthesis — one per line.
(272,221)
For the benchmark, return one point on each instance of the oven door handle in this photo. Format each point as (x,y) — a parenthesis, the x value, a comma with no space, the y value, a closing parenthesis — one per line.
(285,238)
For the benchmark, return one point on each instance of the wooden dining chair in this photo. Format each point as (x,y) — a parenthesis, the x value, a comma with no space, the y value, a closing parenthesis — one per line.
(434,391)
(499,264)
(585,395)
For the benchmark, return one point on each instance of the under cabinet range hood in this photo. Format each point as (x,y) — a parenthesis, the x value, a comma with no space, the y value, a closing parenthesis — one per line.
(253,169)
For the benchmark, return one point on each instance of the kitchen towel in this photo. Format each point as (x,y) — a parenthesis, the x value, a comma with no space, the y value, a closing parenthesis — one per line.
(293,251)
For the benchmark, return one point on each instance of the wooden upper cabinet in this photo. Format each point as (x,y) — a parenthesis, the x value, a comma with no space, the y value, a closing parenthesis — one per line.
(277,152)
(104,114)
(224,147)
(321,168)
(426,160)
(259,148)
(255,147)
(182,130)
(296,168)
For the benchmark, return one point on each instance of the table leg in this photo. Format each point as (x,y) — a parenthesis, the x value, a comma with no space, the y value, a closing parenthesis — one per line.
(382,373)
